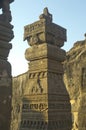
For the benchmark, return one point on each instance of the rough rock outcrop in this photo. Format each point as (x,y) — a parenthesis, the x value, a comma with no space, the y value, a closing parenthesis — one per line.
(75,80)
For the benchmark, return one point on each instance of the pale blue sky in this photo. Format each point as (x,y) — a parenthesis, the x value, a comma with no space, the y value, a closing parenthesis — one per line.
(70,14)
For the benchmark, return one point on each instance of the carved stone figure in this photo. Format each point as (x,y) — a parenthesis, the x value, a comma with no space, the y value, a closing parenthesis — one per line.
(6,13)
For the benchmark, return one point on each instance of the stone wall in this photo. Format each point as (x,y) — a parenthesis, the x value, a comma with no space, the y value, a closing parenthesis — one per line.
(19,83)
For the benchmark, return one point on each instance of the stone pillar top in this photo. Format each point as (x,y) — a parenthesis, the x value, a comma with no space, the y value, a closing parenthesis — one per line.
(44,31)
(46,15)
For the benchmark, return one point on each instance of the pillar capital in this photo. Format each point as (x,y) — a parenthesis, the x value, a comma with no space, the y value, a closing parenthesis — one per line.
(44,30)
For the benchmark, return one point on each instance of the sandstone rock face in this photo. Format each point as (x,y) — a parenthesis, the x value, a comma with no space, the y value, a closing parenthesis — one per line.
(19,84)
(75,80)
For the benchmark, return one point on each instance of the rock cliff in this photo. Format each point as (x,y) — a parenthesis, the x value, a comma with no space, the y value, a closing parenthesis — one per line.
(75,80)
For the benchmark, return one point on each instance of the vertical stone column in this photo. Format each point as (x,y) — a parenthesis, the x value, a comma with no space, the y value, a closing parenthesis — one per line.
(6,34)
(46,103)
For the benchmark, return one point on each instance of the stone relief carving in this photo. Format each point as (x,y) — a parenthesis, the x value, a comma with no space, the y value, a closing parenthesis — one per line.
(34,40)
(34,106)
(36,88)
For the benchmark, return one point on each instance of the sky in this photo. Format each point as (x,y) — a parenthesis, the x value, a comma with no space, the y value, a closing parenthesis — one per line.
(70,14)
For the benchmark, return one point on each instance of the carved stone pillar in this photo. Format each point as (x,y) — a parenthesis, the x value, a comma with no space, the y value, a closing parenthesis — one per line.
(6,35)
(46,103)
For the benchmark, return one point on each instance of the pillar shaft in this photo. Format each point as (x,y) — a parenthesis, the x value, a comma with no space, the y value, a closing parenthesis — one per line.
(6,35)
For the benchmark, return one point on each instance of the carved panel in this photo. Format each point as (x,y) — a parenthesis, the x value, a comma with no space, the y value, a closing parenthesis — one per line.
(34,28)
(36,88)
(34,106)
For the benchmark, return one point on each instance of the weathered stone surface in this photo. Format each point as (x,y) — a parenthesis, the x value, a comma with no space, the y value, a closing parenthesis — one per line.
(5,95)
(44,31)
(20,87)
(6,35)
(45,101)
(44,51)
(75,80)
